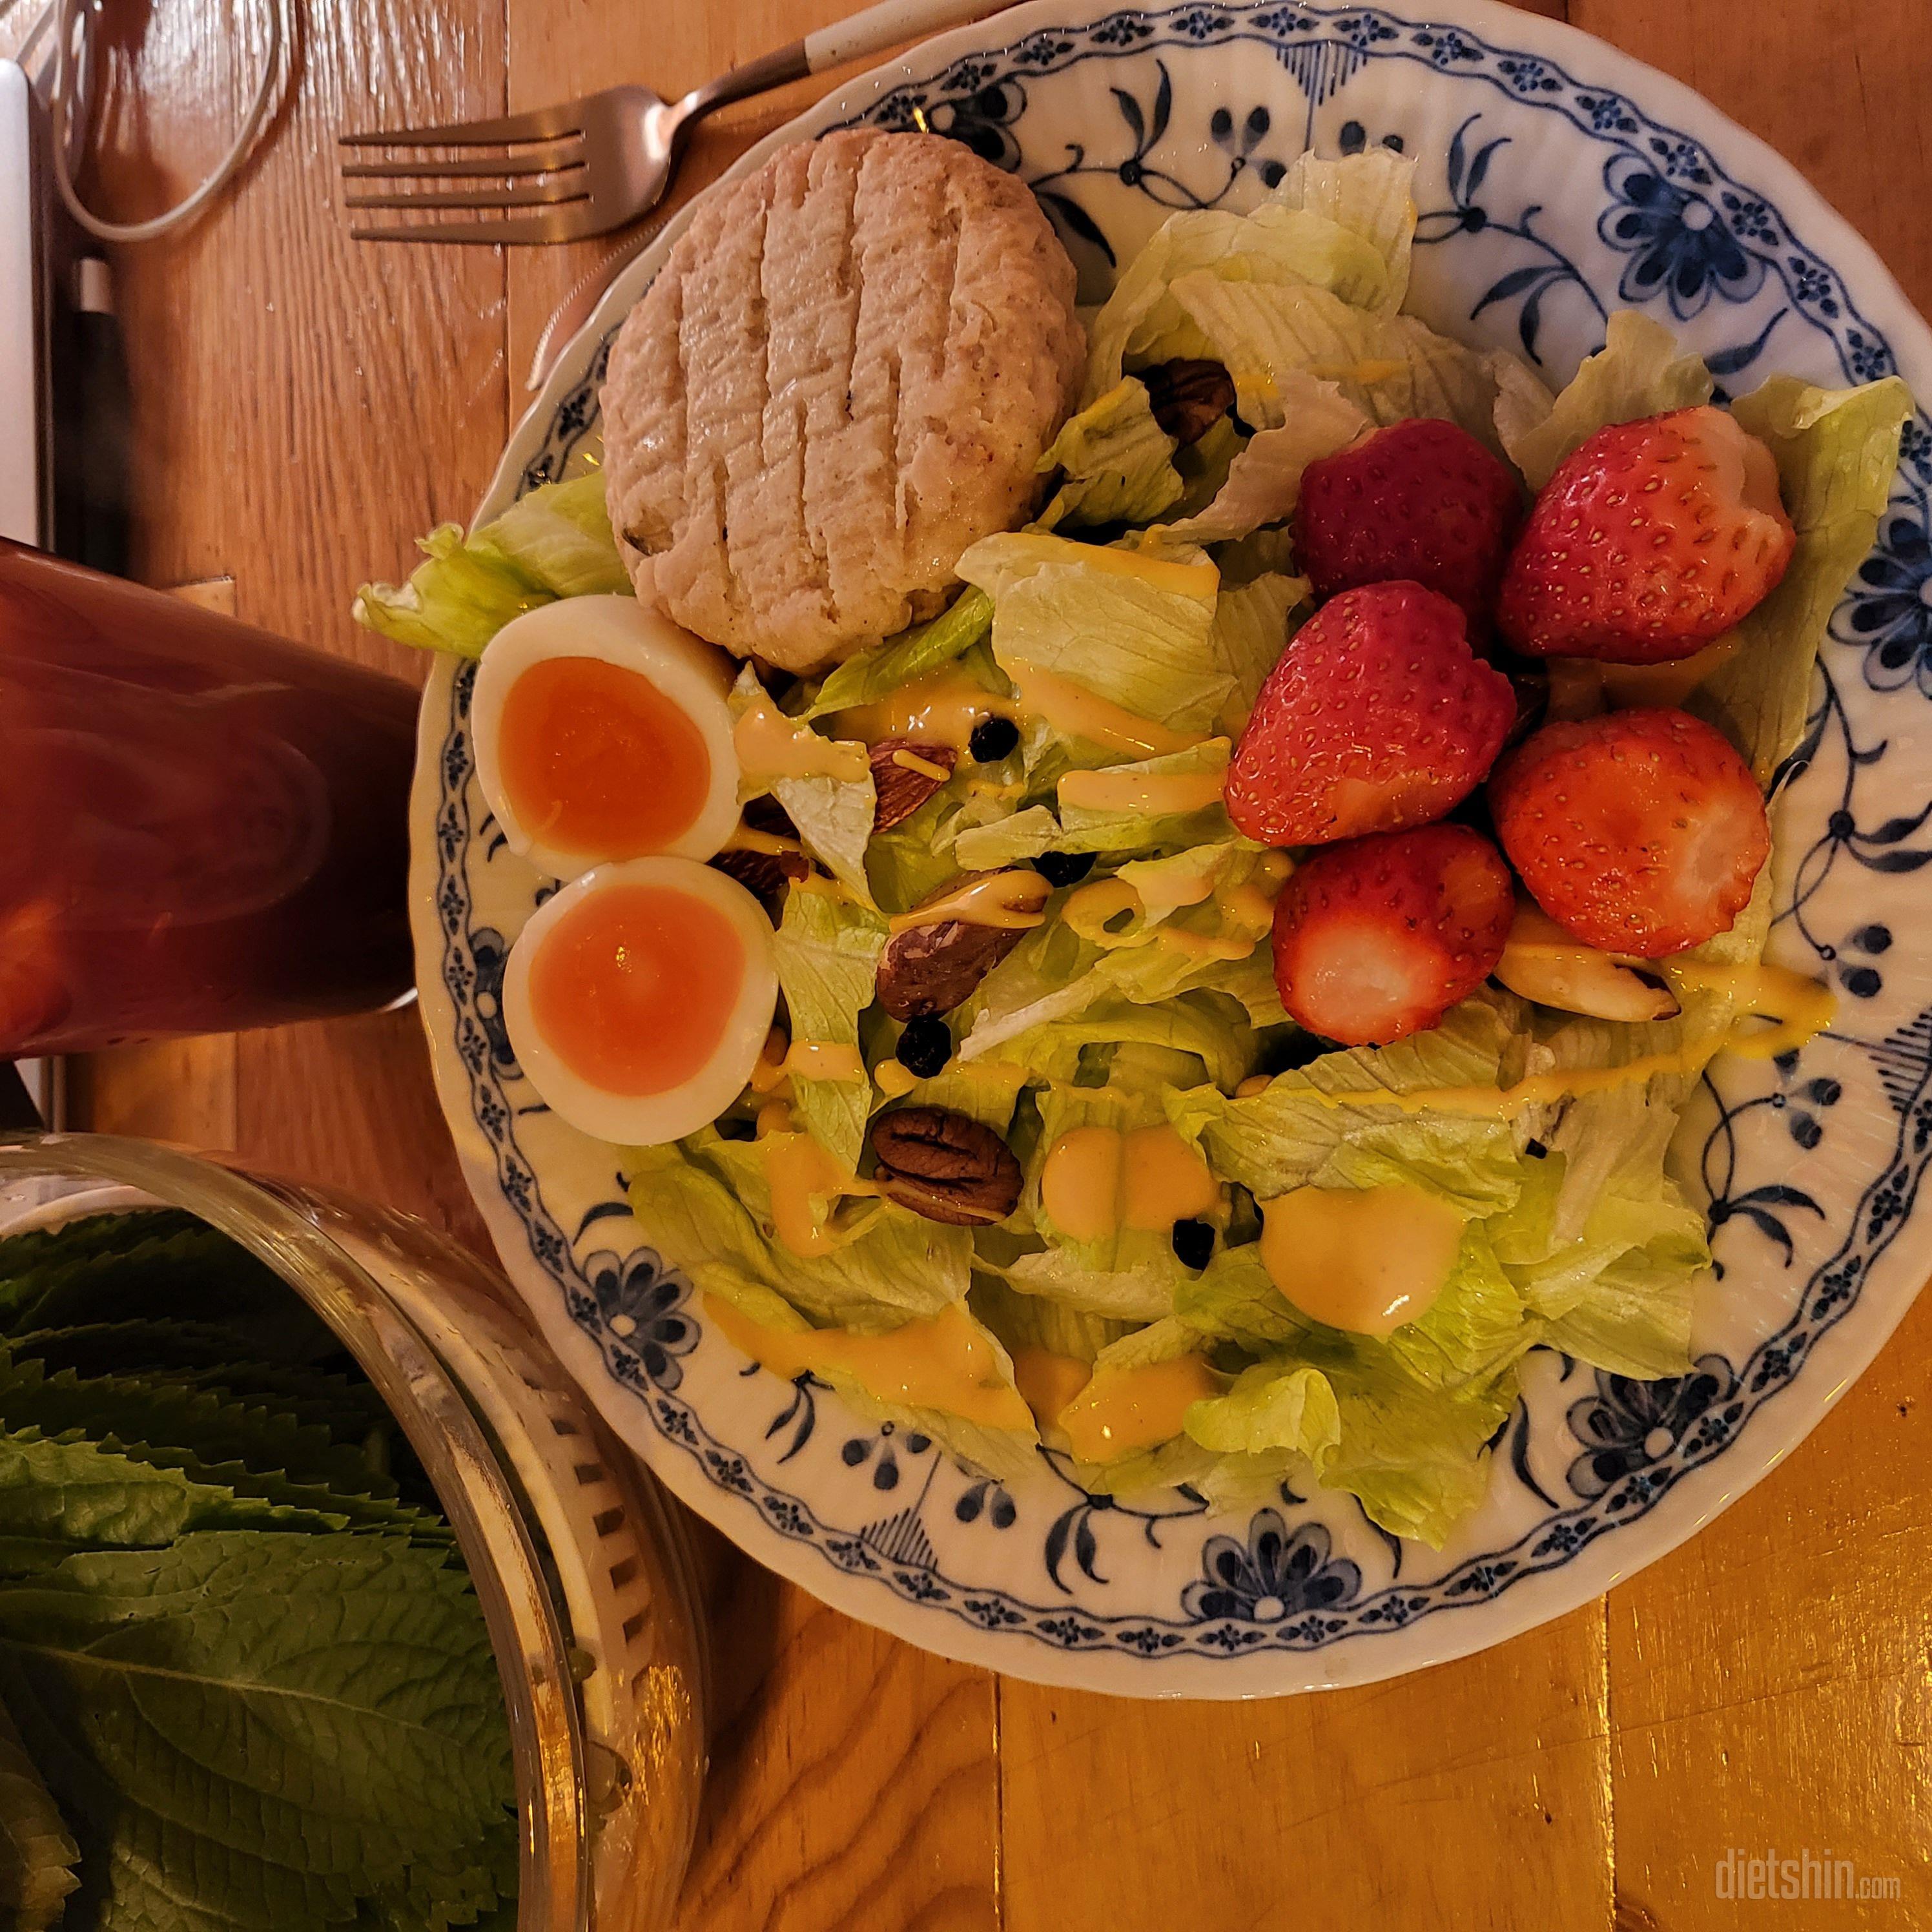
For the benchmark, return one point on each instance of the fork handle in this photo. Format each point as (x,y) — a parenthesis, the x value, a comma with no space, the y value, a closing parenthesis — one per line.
(870,31)
(886,26)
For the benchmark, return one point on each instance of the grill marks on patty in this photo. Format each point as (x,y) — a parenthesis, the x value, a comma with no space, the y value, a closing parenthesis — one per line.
(845,374)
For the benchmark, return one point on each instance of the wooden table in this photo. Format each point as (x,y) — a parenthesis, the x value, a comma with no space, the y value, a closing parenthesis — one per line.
(304,407)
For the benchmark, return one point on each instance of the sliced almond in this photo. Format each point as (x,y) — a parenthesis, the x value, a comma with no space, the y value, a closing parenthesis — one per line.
(1543,962)
(931,969)
(905,774)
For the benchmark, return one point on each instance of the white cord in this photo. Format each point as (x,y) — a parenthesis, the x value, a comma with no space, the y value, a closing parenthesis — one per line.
(70,61)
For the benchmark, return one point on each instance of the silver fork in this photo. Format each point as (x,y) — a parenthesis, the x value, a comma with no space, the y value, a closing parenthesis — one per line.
(590,166)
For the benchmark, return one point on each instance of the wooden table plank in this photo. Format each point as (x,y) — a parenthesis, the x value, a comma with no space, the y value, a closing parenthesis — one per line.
(1120,1814)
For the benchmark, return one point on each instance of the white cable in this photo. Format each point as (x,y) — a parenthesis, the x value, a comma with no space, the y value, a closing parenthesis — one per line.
(70,28)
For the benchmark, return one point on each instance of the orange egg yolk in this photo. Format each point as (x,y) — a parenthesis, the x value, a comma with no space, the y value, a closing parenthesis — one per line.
(598,760)
(633,988)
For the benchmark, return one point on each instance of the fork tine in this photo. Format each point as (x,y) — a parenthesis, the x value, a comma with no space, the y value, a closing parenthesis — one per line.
(568,222)
(423,167)
(540,124)
(523,194)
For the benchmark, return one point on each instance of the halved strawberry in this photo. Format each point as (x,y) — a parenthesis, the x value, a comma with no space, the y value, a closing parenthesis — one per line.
(1420,501)
(1376,717)
(1640,832)
(1379,937)
(1652,538)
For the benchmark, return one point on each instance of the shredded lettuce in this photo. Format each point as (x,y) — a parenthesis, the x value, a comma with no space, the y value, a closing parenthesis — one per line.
(878,672)
(834,815)
(1118,461)
(1371,194)
(1264,482)
(827,954)
(1638,372)
(707,1204)
(1253,624)
(1276,247)
(1390,366)
(1837,452)
(1130,629)
(555,542)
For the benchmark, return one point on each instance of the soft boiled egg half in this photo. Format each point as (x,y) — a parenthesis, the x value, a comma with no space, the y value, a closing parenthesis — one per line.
(638,996)
(601,732)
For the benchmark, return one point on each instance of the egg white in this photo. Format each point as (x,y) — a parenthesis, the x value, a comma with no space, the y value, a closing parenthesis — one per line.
(620,630)
(646,1120)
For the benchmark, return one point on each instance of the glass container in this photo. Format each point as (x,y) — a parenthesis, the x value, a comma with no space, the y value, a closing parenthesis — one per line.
(583,1572)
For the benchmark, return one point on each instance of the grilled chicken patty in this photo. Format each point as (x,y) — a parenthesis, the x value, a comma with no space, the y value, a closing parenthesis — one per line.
(845,374)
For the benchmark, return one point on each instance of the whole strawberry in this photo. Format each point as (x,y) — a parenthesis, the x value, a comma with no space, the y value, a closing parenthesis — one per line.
(1376,717)
(1421,501)
(1640,832)
(1379,937)
(1652,538)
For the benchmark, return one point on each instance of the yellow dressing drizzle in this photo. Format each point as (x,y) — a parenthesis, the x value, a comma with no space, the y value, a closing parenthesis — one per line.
(911,761)
(1089,909)
(941,708)
(894,1081)
(824,1060)
(1204,945)
(1011,901)
(1080,1183)
(1166,1180)
(1801,1007)
(1096,1181)
(746,839)
(768,1074)
(1122,1409)
(1166,794)
(1365,1259)
(1049,1382)
(770,746)
(1077,712)
(826,886)
(944,1361)
(797,1170)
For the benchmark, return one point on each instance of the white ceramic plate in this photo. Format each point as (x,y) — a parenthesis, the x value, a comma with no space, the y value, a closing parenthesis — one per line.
(1557,179)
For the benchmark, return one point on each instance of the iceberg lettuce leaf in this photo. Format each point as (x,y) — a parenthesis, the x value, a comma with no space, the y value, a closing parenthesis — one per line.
(555,542)
(1837,452)
(827,952)
(1118,463)
(1637,373)
(876,673)
(1130,628)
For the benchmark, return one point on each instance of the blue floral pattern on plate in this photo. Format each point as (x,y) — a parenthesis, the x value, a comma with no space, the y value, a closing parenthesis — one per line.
(1812,1164)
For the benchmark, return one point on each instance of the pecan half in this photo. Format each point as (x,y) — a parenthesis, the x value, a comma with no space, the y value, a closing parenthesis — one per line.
(932,969)
(903,788)
(1189,396)
(945,1166)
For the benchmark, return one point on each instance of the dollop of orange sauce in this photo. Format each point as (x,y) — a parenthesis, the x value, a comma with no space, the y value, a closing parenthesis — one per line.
(634,986)
(597,760)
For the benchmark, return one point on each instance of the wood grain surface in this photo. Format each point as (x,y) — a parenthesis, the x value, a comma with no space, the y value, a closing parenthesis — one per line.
(304,407)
